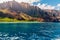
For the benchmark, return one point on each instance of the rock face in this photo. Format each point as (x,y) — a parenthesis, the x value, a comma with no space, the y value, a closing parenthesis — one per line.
(24,11)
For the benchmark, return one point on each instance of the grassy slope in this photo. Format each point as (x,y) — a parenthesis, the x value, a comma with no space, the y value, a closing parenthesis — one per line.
(13,20)
(8,20)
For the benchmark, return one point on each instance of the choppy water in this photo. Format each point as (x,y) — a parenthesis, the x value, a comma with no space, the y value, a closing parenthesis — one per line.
(29,31)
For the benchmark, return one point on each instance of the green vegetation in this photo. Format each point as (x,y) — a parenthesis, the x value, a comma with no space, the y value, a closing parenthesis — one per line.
(13,20)
(8,20)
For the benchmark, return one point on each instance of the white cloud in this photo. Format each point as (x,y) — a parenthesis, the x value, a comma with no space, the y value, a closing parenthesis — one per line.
(58,5)
(27,1)
(45,6)
(1,1)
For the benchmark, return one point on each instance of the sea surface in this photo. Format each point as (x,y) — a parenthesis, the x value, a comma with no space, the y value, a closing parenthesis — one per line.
(30,31)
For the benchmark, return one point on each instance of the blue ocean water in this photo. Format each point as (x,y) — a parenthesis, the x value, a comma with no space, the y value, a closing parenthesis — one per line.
(30,31)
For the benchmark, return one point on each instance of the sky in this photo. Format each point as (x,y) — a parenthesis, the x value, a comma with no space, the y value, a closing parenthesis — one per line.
(43,4)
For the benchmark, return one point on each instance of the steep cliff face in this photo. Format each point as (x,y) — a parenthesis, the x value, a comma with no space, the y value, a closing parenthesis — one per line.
(14,10)
(22,7)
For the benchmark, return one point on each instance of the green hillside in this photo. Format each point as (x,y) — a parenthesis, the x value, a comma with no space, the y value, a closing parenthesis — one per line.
(8,20)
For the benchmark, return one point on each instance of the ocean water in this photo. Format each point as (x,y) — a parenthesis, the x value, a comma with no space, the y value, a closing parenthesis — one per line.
(30,31)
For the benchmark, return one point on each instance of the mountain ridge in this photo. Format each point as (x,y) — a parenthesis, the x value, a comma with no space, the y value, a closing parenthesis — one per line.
(33,11)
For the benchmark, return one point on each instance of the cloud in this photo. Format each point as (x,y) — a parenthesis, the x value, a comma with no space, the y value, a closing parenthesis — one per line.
(58,5)
(45,6)
(27,1)
(1,1)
